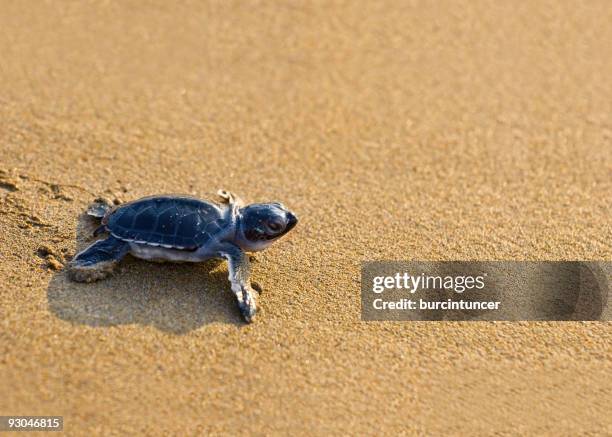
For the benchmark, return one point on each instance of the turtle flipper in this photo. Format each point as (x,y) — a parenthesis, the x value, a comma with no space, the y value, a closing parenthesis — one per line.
(98,260)
(229,197)
(99,230)
(99,208)
(239,273)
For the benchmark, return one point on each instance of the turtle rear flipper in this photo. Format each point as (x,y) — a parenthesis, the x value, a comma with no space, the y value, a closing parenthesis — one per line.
(99,208)
(98,260)
(100,230)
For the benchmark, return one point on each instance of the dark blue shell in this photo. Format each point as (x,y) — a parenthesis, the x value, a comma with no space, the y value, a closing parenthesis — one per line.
(178,221)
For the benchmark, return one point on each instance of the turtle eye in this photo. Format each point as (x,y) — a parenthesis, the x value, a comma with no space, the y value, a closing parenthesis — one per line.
(274,226)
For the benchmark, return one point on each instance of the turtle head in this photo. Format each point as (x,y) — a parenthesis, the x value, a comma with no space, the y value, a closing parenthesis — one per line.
(260,224)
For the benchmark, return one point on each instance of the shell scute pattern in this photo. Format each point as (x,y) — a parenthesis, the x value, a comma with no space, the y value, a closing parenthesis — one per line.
(167,221)
(173,222)
(212,228)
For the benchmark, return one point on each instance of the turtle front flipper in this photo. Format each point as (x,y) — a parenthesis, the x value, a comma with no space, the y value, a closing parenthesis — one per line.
(239,274)
(98,260)
(231,198)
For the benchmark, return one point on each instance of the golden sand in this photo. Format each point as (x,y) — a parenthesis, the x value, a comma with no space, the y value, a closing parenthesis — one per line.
(395,130)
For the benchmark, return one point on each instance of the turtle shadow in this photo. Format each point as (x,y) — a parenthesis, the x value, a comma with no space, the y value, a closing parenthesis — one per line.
(174,298)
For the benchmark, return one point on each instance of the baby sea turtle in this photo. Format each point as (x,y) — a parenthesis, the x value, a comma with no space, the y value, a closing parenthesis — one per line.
(182,228)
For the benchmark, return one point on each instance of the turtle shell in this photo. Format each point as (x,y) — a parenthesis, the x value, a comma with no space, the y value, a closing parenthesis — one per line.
(178,222)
